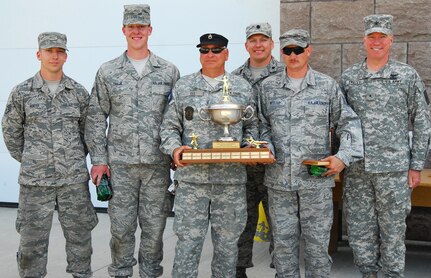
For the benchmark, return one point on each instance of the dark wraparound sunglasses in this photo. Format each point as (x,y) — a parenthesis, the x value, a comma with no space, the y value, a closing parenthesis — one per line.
(297,50)
(215,50)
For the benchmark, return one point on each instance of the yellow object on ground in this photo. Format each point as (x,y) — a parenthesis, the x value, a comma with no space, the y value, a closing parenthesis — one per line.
(262,230)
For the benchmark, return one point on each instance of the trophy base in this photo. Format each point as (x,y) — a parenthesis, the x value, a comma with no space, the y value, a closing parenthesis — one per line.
(226,155)
(226,139)
(315,162)
(226,144)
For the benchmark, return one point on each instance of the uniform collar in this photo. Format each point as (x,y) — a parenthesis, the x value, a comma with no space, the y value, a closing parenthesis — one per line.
(271,68)
(385,72)
(151,65)
(38,82)
(202,84)
(310,78)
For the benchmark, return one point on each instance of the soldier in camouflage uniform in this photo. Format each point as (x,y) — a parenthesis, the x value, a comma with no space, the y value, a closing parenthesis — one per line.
(43,128)
(260,65)
(207,192)
(388,96)
(132,91)
(298,107)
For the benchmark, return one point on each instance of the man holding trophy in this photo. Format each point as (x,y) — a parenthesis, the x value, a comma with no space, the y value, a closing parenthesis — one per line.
(208,191)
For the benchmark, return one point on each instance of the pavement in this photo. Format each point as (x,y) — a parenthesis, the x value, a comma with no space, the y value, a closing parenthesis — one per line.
(418,258)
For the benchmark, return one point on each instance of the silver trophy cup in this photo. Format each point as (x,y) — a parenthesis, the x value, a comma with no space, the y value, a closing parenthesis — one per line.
(226,114)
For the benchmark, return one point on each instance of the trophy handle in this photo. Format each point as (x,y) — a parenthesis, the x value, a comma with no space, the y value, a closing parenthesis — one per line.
(248,108)
(201,115)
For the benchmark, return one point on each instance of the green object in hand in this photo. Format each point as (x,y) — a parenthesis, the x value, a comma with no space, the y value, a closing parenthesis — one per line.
(317,171)
(104,190)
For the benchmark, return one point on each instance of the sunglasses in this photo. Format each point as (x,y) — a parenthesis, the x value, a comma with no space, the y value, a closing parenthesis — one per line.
(297,50)
(215,50)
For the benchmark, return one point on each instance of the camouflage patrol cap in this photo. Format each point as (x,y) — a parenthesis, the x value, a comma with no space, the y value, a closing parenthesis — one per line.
(52,39)
(212,38)
(258,28)
(136,14)
(297,37)
(380,23)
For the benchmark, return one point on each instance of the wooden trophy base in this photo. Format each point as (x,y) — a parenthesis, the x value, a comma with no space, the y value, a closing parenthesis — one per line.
(226,145)
(224,155)
(315,162)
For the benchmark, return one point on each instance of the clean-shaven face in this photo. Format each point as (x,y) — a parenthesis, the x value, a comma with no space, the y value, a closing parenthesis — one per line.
(213,61)
(377,45)
(259,47)
(137,35)
(52,59)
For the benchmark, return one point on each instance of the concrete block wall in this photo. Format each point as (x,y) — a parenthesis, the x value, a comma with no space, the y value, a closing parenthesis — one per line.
(337,28)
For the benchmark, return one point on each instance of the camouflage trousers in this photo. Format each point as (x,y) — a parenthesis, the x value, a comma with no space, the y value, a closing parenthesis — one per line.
(195,206)
(376,207)
(139,195)
(34,220)
(256,192)
(307,213)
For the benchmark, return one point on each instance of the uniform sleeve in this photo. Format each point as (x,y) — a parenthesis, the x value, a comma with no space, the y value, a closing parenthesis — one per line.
(13,125)
(96,121)
(83,103)
(347,128)
(420,120)
(171,128)
(264,124)
(176,75)
(342,85)
(250,126)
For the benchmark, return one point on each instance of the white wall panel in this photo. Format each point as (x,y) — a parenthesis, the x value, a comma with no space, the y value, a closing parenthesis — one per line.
(93,28)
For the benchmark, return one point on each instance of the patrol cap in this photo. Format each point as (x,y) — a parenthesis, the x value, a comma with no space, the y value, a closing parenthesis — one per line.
(52,39)
(212,38)
(297,37)
(258,28)
(136,14)
(380,23)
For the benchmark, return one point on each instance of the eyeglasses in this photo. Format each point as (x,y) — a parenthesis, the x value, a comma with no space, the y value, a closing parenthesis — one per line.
(297,50)
(215,50)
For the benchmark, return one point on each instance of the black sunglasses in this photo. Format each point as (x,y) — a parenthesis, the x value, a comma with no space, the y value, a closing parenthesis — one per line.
(297,50)
(215,50)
